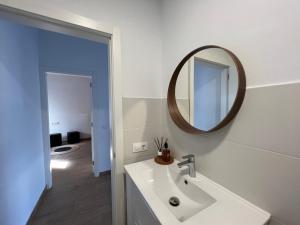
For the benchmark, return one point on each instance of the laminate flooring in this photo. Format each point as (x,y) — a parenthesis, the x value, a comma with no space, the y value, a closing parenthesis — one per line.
(77,197)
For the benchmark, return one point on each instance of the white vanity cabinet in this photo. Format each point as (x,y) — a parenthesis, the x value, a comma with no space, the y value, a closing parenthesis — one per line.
(151,186)
(138,211)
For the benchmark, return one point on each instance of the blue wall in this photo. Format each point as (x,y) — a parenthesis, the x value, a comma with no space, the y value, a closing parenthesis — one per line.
(66,54)
(25,55)
(21,151)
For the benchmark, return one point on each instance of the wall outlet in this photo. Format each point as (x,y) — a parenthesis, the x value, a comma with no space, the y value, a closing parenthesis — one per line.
(140,147)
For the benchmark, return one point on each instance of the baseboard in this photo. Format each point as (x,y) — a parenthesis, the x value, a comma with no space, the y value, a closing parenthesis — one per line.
(103,173)
(107,172)
(65,142)
(37,205)
(86,139)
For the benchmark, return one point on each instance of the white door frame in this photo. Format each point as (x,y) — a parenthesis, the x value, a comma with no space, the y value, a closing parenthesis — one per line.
(55,19)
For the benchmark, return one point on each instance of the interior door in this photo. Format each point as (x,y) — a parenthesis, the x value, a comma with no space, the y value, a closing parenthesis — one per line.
(208,91)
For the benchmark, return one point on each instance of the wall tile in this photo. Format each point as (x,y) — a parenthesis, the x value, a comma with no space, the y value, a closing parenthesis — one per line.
(267,179)
(142,122)
(139,135)
(270,119)
(140,113)
(275,222)
(255,156)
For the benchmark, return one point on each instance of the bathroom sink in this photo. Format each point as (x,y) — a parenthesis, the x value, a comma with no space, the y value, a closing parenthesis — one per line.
(175,198)
(190,198)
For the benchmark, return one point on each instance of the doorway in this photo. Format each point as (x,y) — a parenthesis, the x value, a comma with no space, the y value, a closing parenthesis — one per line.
(78,26)
(211,93)
(68,55)
(75,96)
(76,196)
(70,117)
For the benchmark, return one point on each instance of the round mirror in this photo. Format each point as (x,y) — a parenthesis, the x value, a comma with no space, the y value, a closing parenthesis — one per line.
(206,90)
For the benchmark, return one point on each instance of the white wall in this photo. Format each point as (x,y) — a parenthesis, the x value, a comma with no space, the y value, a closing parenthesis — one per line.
(263,34)
(255,155)
(140,25)
(69,100)
(182,91)
(182,86)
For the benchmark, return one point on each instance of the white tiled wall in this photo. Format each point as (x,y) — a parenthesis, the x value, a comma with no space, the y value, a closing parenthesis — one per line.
(275,222)
(270,120)
(257,156)
(142,122)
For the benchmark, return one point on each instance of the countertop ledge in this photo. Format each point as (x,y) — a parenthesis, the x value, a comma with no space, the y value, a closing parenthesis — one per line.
(229,208)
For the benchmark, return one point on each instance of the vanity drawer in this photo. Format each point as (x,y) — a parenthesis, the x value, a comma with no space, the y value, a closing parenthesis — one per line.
(138,211)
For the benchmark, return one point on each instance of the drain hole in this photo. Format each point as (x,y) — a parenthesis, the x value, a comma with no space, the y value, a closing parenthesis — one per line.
(174,201)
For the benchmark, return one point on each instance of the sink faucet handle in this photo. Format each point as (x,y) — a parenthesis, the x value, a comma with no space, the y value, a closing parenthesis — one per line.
(190,157)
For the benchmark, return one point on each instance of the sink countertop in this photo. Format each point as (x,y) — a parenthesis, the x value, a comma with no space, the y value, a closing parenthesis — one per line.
(228,209)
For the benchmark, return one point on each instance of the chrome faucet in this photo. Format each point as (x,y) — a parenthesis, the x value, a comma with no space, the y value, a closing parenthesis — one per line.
(190,163)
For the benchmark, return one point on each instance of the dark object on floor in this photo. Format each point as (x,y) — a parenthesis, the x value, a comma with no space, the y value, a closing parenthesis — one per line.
(63,149)
(73,137)
(55,140)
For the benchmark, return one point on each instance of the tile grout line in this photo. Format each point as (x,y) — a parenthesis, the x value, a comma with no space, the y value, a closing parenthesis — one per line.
(263,149)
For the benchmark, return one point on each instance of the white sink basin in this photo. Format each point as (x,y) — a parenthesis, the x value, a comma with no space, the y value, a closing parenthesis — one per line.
(202,202)
(172,184)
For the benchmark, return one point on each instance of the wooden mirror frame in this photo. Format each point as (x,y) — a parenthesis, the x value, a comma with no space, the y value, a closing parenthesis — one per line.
(172,104)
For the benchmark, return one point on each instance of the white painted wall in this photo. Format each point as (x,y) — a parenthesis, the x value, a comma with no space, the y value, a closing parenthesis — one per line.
(69,101)
(263,34)
(182,85)
(140,25)
(182,91)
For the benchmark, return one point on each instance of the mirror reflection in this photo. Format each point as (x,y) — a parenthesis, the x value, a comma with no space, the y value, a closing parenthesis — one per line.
(206,88)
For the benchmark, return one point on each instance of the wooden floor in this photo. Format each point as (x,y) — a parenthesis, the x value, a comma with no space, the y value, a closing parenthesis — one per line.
(77,197)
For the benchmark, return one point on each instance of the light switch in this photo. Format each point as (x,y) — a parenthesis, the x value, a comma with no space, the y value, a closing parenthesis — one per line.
(140,146)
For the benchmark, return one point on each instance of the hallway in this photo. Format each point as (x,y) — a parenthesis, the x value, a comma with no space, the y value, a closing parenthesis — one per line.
(77,197)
